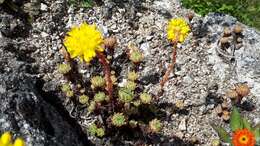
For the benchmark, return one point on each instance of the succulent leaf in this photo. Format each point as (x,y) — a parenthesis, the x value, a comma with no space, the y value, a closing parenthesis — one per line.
(83,99)
(132,76)
(65,87)
(99,97)
(92,129)
(97,81)
(118,119)
(64,68)
(130,85)
(125,95)
(92,106)
(145,98)
(136,56)
(155,125)
(100,132)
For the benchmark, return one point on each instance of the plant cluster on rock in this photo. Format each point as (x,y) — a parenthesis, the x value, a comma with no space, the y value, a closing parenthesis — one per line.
(119,107)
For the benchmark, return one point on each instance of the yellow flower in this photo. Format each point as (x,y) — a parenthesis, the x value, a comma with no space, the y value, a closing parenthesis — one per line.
(84,41)
(6,139)
(19,142)
(178,29)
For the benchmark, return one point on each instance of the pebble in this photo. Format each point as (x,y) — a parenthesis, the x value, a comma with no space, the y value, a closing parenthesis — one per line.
(104,30)
(145,47)
(179,134)
(44,34)
(187,80)
(182,125)
(44,7)
(149,38)
(2,89)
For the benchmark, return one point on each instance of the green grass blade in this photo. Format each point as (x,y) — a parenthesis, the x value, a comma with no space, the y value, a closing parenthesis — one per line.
(246,124)
(235,120)
(222,133)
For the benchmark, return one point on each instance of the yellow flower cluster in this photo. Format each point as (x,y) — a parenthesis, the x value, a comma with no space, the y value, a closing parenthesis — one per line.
(84,41)
(178,29)
(6,140)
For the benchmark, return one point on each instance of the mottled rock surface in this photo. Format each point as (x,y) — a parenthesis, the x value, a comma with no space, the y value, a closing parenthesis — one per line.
(31,101)
(28,111)
(25,109)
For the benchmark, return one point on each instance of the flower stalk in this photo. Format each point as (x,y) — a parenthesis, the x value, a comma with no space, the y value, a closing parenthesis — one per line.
(171,66)
(177,30)
(107,72)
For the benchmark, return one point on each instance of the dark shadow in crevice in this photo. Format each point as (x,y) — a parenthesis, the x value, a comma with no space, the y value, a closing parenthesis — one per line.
(213,97)
(165,14)
(34,115)
(99,2)
(118,64)
(52,99)
(140,134)
(152,78)
(153,140)
(131,8)
(74,76)
(21,55)
(247,106)
(172,109)
(22,28)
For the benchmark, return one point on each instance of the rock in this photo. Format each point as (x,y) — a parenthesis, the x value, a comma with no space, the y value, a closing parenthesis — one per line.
(107,10)
(32,8)
(149,38)
(28,111)
(18,2)
(199,29)
(11,26)
(5,24)
(246,58)
(44,7)
(5,42)
(187,80)
(26,63)
(179,134)
(104,30)
(145,48)
(44,34)
(182,125)
(2,89)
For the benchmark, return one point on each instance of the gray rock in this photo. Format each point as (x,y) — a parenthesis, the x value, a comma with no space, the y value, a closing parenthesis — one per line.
(31,113)
(32,8)
(25,109)
(182,125)
(2,89)
(44,7)
(24,59)
(145,47)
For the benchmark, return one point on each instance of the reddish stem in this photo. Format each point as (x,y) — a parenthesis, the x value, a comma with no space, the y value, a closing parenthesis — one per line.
(107,72)
(171,66)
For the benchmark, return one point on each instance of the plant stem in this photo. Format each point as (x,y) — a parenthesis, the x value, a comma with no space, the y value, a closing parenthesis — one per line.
(107,72)
(171,66)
